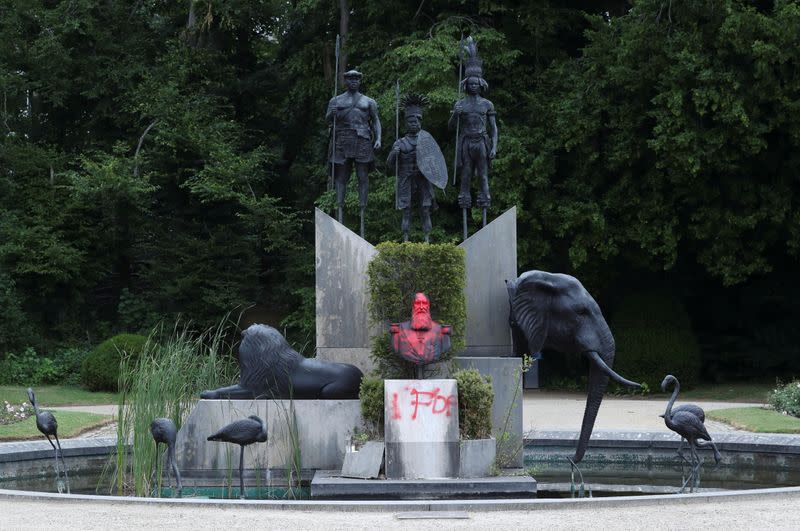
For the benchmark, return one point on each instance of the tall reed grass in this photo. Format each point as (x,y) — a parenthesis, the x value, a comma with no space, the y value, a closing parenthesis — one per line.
(163,381)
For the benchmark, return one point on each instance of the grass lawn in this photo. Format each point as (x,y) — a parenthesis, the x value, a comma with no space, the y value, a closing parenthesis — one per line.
(756,419)
(70,424)
(56,395)
(731,392)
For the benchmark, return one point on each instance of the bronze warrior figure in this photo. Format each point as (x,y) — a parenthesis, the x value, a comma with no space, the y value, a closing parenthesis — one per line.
(357,132)
(477,133)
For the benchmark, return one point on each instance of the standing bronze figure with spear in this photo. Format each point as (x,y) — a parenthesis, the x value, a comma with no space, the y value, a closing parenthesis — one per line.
(474,118)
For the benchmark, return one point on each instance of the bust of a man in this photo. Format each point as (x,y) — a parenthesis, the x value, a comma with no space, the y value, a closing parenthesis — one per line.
(420,340)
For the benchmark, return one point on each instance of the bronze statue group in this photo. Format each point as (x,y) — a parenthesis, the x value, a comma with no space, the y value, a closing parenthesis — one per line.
(415,159)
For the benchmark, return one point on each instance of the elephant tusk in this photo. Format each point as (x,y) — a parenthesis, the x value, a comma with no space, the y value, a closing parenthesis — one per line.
(595,358)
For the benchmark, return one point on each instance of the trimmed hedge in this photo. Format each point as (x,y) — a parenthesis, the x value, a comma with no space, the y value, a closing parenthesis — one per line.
(654,338)
(371,395)
(396,274)
(100,369)
(475,400)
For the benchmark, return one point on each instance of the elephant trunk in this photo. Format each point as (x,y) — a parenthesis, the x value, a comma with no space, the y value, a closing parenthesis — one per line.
(598,382)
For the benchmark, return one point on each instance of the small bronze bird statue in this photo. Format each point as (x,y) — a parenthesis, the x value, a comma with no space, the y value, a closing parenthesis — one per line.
(688,422)
(242,432)
(46,423)
(164,431)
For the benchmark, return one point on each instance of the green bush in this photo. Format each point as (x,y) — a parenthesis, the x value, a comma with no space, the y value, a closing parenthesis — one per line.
(786,398)
(396,274)
(28,368)
(475,400)
(100,369)
(654,338)
(371,395)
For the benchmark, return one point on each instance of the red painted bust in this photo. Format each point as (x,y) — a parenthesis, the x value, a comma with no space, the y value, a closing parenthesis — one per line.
(420,340)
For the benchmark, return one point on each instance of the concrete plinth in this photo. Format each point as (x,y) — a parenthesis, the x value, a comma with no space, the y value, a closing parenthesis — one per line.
(323,428)
(421,426)
(342,294)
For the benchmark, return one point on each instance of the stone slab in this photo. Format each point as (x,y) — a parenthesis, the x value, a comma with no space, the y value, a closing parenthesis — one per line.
(323,428)
(421,429)
(491,260)
(195,454)
(342,295)
(477,458)
(365,463)
(328,485)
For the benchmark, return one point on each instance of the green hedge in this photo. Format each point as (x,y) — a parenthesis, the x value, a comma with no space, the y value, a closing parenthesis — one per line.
(371,395)
(100,369)
(475,400)
(654,338)
(786,398)
(396,274)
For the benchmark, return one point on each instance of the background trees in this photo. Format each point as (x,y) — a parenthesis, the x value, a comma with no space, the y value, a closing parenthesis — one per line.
(160,157)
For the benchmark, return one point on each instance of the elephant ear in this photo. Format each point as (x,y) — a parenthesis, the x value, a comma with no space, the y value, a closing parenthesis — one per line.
(530,303)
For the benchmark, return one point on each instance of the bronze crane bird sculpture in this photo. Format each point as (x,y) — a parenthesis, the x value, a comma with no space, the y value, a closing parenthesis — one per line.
(242,432)
(46,423)
(688,422)
(164,431)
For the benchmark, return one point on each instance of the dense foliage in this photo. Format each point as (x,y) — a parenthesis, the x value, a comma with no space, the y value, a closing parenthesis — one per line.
(475,399)
(163,158)
(30,368)
(371,396)
(396,274)
(654,338)
(786,398)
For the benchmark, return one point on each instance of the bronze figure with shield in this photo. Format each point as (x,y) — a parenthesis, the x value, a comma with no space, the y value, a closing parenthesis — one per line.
(419,164)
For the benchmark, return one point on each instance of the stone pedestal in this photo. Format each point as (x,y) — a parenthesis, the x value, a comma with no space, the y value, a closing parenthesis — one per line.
(342,294)
(323,429)
(421,427)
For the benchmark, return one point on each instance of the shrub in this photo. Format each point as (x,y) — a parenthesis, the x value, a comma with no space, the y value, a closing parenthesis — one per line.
(100,369)
(786,398)
(654,338)
(475,400)
(396,274)
(69,362)
(29,368)
(371,395)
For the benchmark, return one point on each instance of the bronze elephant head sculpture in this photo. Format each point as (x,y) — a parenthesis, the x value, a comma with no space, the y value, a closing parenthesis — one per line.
(555,312)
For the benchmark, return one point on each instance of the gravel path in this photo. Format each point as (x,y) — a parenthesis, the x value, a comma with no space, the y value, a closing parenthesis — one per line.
(774,512)
(561,411)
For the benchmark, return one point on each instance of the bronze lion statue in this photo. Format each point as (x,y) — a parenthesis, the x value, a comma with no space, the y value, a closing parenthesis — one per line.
(270,368)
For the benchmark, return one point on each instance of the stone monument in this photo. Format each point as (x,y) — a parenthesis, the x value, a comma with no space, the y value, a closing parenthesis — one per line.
(422,438)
